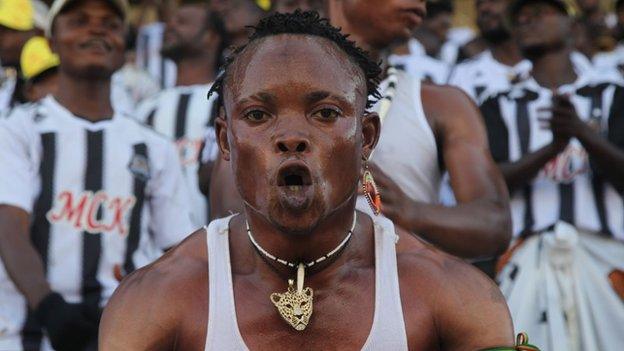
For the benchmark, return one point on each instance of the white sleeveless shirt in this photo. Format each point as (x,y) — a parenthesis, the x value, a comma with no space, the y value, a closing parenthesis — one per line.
(387,331)
(407,150)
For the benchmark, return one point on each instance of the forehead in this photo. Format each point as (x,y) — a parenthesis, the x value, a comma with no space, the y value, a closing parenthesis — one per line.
(93,7)
(297,61)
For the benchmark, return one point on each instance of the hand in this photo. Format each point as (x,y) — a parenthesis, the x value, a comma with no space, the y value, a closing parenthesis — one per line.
(564,121)
(395,204)
(68,327)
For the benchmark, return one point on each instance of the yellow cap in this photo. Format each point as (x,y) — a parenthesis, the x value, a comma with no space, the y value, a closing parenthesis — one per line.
(264,4)
(37,57)
(17,14)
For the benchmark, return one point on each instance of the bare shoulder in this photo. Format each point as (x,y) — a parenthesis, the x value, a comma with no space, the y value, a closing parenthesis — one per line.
(468,309)
(452,114)
(159,293)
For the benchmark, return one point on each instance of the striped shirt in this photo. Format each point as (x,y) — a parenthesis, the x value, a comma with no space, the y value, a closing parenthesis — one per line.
(104,198)
(148,57)
(568,188)
(183,114)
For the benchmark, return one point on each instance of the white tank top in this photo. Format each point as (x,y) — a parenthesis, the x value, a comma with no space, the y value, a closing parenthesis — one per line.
(407,150)
(387,331)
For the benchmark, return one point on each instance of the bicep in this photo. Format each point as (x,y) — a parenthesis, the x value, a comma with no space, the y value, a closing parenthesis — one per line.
(133,321)
(473,313)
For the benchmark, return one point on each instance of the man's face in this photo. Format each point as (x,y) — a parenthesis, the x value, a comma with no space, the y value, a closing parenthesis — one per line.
(11,43)
(490,18)
(439,25)
(540,26)
(381,23)
(237,15)
(89,39)
(184,32)
(296,129)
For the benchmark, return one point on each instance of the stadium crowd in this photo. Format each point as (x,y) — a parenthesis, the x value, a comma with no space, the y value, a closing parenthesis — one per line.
(500,143)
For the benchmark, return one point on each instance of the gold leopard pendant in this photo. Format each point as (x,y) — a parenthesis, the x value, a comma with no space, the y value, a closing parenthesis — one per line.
(295,305)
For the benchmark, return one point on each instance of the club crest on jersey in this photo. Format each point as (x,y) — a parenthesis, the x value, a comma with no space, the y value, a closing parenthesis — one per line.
(139,167)
(92,212)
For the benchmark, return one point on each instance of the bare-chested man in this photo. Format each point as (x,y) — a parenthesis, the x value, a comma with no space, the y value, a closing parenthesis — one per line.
(294,126)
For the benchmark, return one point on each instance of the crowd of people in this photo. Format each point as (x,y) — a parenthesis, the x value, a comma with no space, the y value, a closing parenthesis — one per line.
(407,184)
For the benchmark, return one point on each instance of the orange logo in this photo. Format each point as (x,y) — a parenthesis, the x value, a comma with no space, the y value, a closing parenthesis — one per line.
(82,211)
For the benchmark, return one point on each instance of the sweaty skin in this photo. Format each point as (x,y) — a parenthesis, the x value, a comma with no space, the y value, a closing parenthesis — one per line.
(310,115)
(480,225)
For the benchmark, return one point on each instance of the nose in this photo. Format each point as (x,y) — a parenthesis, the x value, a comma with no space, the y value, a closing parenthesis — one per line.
(293,143)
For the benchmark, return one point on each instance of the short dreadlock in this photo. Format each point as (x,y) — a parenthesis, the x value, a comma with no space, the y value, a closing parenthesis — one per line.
(307,23)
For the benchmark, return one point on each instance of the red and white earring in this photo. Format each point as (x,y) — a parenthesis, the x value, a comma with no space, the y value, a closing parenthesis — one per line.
(371,193)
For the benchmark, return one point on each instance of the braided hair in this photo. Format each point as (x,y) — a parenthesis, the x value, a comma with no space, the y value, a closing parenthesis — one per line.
(305,23)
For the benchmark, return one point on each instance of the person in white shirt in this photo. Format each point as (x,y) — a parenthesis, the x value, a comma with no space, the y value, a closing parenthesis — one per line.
(557,137)
(194,39)
(86,195)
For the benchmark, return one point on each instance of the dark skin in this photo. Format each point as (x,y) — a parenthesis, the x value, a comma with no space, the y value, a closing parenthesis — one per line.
(552,68)
(286,6)
(237,15)
(89,41)
(314,119)
(490,20)
(11,43)
(482,212)
(191,45)
(41,86)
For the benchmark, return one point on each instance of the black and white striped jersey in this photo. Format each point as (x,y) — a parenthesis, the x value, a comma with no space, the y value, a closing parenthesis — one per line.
(568,188)
(104,198)
(148,57)
(183,114)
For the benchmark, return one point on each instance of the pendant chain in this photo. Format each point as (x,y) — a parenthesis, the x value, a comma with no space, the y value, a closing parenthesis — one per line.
(311,263)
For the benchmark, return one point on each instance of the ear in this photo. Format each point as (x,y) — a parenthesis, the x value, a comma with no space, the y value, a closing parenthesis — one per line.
(221,131)
(371,128)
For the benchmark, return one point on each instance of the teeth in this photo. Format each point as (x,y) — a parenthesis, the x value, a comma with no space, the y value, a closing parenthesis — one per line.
(293,187)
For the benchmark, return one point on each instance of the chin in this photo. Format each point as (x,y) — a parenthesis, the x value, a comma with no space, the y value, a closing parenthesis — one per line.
(297,222)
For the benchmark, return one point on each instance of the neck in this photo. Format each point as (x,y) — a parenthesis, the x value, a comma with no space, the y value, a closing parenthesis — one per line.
(195,70)
(506,52)
(85,97)
(302,248)
(554,69)
(338,19)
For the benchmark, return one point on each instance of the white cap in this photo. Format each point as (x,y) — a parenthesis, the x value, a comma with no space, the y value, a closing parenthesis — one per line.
(59,5)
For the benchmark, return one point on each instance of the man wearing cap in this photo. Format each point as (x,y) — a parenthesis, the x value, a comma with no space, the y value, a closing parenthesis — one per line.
(558,139)
(17,25)
(86,195)
(39,69)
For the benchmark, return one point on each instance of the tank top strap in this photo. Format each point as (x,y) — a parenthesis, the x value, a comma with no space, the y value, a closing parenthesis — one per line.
(223,332)
(388,330)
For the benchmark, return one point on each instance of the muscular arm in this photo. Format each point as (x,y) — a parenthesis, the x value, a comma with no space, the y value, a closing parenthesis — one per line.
(522,171)
(20,259)
(605,155)
(471,313)
(479,225)
(136,316)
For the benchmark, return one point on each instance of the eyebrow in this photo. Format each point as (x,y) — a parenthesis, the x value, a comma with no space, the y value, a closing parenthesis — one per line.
(317,96)
(309,98)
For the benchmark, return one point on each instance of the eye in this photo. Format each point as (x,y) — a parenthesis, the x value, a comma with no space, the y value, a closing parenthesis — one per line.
(256,115)
(327,113)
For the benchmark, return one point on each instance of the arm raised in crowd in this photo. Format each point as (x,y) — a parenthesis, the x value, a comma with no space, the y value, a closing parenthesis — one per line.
(479,225)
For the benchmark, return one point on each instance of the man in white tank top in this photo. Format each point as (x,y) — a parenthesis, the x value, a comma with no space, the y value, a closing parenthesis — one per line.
(295,127)
(428,129)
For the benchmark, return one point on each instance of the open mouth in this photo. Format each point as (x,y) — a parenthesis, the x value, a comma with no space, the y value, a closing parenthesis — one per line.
(294,177)
(97,44)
